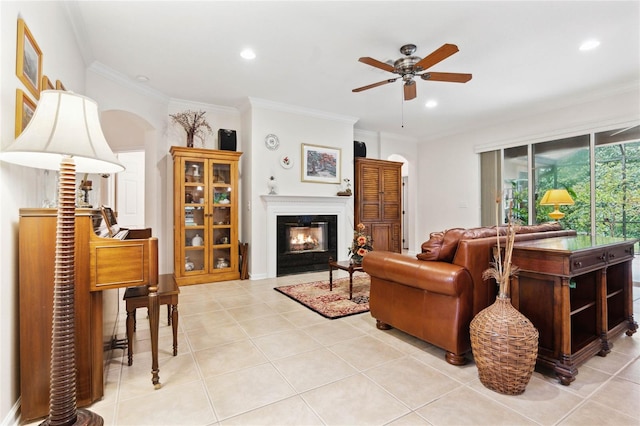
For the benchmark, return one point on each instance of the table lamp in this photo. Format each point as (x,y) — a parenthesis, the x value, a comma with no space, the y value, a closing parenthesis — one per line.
(556,198)
(64,134)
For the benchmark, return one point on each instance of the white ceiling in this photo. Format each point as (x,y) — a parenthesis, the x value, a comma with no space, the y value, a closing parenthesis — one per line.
(524,56)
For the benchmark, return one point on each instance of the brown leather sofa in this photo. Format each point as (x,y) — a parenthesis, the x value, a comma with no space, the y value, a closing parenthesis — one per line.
(435,296)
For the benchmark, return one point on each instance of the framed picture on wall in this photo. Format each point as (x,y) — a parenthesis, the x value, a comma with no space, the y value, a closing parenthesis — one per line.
(25,108)
(28,60)
(60,86)
(46,83)
(320,164)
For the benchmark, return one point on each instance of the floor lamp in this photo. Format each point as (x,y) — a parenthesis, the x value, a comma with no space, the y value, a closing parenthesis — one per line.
(64,134)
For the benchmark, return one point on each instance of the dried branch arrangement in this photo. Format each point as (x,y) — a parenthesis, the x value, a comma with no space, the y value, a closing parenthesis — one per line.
(194,123)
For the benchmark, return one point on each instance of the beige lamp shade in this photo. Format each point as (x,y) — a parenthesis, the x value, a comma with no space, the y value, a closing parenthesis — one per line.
(63,124)
(556,198)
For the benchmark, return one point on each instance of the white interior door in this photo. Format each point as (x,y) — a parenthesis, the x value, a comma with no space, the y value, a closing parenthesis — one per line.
(130,190)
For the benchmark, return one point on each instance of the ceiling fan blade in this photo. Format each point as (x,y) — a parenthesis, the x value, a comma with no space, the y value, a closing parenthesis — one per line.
(409,90)
(452,77)
(376,63)
(442,53)
(371,86)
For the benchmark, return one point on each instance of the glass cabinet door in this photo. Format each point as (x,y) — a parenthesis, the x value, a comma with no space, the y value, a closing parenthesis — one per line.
(223,205)
(194,238)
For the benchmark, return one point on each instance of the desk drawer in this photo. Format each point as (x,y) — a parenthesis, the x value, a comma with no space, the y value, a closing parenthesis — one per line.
(620,254)
(583,263)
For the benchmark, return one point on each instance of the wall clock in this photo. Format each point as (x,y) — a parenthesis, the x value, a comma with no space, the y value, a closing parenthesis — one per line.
(272,142)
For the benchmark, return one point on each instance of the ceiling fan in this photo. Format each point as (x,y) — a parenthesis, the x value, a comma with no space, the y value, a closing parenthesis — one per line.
(411,66)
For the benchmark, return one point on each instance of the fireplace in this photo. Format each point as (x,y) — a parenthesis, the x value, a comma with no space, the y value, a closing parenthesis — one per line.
(305,243)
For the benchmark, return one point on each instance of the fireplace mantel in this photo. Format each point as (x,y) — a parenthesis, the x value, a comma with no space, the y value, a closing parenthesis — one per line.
(277,205)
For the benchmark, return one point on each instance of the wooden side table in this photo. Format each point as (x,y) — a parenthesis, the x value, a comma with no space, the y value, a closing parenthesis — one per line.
(344,265)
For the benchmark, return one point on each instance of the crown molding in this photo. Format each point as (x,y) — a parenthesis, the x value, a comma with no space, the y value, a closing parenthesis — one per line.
(292,109)
(184,103)
(126,81)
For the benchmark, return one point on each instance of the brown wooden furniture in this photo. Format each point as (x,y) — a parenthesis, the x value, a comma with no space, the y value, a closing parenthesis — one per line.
(138,297)
(378,201)
(577,291)
(205,215)
(344,265)
(135,264)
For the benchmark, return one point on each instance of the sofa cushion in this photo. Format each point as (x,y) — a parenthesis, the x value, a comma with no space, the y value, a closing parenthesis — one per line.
(542,227)
(431,248)
(450,243)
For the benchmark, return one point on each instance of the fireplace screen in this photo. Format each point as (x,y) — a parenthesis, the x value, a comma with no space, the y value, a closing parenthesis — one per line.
(306,238)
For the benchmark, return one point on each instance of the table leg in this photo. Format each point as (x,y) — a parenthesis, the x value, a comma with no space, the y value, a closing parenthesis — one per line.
(350,282)
(330,278)
(154,322)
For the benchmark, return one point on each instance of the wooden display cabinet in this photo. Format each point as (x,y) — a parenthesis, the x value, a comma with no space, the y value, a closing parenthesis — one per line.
(577,291)
(378,201)
(205,188)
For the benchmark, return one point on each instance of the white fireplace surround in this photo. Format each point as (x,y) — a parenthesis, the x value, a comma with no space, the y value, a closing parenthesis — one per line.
(290,205)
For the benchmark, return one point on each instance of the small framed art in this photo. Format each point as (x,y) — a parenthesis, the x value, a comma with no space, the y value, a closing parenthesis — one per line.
(25,108)
(320,164)
(28,60)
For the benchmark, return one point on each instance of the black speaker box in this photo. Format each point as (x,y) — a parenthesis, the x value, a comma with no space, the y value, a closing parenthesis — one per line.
(359,149)
(226,139)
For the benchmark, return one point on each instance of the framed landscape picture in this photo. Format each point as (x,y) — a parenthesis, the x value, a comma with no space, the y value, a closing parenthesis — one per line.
(25,108)
(28,60)
(320,164)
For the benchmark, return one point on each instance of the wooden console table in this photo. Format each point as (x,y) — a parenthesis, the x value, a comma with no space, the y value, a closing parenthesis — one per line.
(577,291)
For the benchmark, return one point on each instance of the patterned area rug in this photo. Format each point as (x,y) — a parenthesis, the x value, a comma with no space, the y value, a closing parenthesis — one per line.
(332,304)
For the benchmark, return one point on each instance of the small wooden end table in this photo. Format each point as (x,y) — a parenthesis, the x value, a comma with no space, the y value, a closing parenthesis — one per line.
(344,265)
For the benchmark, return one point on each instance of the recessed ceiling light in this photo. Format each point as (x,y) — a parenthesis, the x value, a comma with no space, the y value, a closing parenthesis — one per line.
(589,45)
(142,78)
(431,103)
(248,54)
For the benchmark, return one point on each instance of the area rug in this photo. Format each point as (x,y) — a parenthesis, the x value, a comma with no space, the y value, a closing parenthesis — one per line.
(331,304)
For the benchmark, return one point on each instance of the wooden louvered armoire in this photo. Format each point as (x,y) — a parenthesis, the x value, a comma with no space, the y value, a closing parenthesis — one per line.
(378,201)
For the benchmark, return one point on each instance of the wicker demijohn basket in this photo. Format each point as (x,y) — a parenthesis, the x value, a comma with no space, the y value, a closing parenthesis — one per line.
(505,347)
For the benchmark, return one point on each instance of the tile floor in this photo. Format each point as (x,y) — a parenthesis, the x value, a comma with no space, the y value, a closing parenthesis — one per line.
(250,356)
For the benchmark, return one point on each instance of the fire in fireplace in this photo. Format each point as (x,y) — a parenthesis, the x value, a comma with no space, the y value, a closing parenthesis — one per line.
(305,243)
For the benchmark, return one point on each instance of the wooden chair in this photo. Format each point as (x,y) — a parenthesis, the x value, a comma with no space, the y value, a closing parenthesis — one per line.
(138,297)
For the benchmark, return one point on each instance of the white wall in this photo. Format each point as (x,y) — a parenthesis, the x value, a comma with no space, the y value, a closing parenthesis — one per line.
(23,186)
(293,126)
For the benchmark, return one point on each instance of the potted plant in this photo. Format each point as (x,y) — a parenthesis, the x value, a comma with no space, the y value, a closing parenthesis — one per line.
(504,342)
(194,123)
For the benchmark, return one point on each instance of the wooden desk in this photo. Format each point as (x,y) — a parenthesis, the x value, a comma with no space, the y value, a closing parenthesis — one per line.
(344,265)
(577,291)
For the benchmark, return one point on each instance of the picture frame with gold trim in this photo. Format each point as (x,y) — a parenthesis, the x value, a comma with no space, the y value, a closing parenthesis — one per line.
(28,60)
(25,108)
(47,84)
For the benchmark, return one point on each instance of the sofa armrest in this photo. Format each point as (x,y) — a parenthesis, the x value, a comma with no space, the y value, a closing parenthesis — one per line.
(438,277)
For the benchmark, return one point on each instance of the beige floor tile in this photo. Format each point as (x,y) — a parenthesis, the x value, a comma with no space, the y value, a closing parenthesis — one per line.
(587,381)
(303,317)
(182,405)
(262,326)
(411,381)
(329,333)
(464,406)
(611,363)
(592,413)
(211,336)
(620,394)
(556,401)
(142,347)
(245,390)
(289,412)
(629,345)
(365,352)
(309,370)
(399,340)
(411,419)
(631,372)
(205,319)
(244,313)
(284,344)
(230,357)
(239,300)
(435,358)
(196,305)
(355,400)
(173,371)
